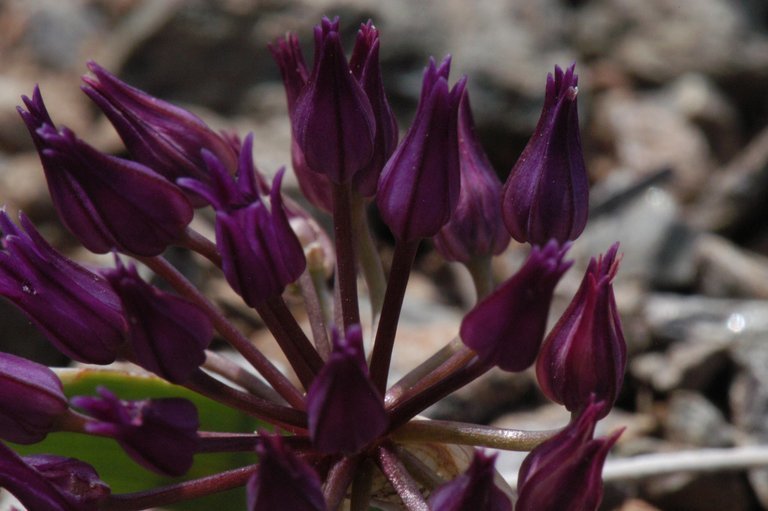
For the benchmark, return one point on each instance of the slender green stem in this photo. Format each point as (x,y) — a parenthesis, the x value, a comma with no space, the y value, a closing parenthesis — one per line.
(314,309)
(289,418)
(228,331)
(368,257)
(188,490)
(403,483)
(418,373)
(402,260)
(449,432)
(482,276)
(237,374)
(346,271)
(198,243)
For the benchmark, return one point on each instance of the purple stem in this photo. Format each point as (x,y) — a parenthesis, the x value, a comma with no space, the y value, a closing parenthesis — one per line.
(338,480)
(405,486)
(289,418)
(402,260)
(235,373)
(210,441)
(196,242)
(228,331)
(346,271)
(188,490)
(315,314)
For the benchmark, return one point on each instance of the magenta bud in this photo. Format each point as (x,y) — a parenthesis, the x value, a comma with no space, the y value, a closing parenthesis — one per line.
(283,480)
(106,202)
(547,193)
(333,121)
(565,472)
(507,327)
(51,483)
(260,253)
(364,64)
(168,335)
(159,434)
(31,399)
(475,229)
(75,308)
(419,186)
(585,353)
(165,138)
(473,490)
(346,411)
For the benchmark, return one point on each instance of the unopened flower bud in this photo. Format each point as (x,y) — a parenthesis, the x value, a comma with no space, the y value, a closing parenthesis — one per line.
(419,187)
(283,480)
(106,202)
(31,399)
(547,193)
(159,434)
(473,490)
(168,335)
(346,411)
(507,327)
(475,228)
(75,308)
(585,353)
(565,472)
(164,137)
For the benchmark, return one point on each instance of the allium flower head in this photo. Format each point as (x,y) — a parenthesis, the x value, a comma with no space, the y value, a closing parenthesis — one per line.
(283,480)
(419,186)
(507,327)
(106,202)
(168,334)
(475,229)
(547,193)
(565,472)
(31,399)
(333,121)
(51,483)
(164,137)
(260,252)
(345,410)
(473,490)
(75,308)
(159,434)
(585,353)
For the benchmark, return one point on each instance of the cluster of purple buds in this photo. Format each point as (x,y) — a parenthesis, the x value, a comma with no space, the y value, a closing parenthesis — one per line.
(334,427)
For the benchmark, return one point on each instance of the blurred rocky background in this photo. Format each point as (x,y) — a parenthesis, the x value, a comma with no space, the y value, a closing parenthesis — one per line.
(675,127)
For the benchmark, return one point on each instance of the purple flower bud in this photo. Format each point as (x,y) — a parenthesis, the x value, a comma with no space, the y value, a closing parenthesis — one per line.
(260,252)
(475,229)
(585,353)
(316,187)
(419,186)
(547,193)
(473,490)
(31,399)
(565,472)
(159,434)
(51,483)
(364,64)
(507,327)
(333,122)
(165,138)
(168,334)
(75,308)
(283,480)
(345,410)
(105,201)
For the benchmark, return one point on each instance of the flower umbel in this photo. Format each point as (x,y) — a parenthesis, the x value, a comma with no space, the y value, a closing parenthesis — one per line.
(324,425)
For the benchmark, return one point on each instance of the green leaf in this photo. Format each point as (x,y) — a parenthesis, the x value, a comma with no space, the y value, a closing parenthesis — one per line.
(116,468)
